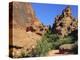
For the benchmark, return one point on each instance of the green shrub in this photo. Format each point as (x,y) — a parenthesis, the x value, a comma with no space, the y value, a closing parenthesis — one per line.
(60,41)
(43,46)
(46,43)
(51,41)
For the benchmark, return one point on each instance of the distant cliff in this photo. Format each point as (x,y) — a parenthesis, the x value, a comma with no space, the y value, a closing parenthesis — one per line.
(65,23)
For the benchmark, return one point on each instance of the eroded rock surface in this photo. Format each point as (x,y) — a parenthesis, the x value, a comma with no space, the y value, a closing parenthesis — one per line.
(24,28)
(65,23)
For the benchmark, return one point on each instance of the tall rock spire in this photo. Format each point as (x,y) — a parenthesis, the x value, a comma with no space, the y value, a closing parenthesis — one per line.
(67,11)
(64,23)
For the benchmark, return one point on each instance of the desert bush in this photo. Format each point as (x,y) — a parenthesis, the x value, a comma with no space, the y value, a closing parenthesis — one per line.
(51,41)
(43,47)
(45,44)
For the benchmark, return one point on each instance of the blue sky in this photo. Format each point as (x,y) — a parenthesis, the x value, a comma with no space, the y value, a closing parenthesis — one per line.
(47,12)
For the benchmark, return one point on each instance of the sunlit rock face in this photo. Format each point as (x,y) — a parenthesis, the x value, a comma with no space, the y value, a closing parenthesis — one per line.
(65,23)
(24,28)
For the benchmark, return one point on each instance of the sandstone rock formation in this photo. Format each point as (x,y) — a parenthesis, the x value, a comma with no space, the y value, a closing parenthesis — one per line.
(67,48)
(65,23)
(24,28)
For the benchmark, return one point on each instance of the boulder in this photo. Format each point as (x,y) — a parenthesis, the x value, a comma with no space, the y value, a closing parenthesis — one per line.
(67,48)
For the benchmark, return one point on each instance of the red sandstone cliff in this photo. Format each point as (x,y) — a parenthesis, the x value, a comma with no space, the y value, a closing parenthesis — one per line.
(24,28)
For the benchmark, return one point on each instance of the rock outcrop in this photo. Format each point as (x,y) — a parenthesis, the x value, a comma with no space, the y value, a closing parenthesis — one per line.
(24,28)
(65,23)
(69,48)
